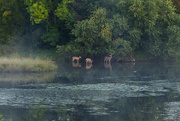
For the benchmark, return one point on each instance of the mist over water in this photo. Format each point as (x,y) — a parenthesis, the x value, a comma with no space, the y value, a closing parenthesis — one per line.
(117,91)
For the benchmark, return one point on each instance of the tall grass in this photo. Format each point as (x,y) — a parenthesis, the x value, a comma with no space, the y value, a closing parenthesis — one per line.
(26,64)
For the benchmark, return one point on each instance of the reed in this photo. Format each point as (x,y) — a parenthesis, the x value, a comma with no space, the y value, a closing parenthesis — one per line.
(26,64)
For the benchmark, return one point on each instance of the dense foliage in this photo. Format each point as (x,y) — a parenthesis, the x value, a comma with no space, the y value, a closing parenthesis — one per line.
(93,28)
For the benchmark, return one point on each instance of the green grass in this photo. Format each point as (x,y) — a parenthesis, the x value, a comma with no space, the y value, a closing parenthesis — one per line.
(15,64)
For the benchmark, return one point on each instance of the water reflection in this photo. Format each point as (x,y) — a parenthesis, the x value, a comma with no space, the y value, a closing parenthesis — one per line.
(40,113)
(76,64)
(130,71)
(108,66)
(116,92)
(89,66)
(12,79)
(126,109)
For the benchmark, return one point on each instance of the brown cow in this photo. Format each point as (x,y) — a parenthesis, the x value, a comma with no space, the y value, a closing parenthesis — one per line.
(107,59)
(76,58)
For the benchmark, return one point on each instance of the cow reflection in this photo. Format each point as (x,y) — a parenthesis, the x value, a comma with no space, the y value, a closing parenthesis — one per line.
(77,64)
(108,66)
(88,66)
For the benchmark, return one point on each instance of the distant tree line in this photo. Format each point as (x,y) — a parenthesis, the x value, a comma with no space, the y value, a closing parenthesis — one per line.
(93,27)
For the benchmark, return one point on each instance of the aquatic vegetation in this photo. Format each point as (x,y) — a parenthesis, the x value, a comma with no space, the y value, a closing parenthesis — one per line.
(26,64)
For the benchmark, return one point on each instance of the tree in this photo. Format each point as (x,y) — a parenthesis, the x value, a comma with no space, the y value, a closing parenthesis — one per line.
(38,12)
(173,43)
(54,18)
(62,10)
(176,3)
(94,36)
(12,14)
(149,21)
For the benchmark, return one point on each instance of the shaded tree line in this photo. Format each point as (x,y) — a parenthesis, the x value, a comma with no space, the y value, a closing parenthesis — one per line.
(93,28)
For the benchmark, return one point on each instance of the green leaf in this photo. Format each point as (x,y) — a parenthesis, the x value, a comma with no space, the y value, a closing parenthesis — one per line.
(38,12)
(62,10)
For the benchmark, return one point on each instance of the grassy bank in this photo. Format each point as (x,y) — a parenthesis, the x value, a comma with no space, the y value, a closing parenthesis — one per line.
(26,64)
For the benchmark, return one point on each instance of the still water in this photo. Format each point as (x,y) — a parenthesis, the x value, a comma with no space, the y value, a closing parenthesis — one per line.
(141,91)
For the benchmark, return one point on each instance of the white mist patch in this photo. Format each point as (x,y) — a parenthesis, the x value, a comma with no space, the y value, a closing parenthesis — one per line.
(76,94)
(106,87)
(115,90)
(172,111)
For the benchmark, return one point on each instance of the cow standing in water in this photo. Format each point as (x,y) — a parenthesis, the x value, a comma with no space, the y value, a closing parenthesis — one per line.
(76,58)
(88,63)
(107,59)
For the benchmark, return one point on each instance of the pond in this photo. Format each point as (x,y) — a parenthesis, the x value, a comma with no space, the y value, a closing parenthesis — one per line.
(141,91)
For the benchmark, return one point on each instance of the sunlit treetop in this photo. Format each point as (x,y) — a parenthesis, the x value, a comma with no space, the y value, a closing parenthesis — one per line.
(38,12)
(62,10)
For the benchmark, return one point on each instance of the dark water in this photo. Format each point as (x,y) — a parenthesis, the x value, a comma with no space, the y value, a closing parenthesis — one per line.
(98,92)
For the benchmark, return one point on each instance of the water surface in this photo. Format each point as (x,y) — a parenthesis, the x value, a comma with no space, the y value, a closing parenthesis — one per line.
(115,92)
